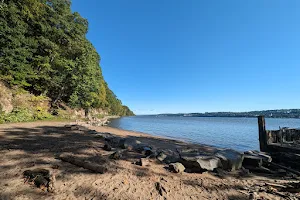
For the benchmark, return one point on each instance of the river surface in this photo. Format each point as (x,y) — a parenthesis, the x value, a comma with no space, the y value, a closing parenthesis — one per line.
(236,133)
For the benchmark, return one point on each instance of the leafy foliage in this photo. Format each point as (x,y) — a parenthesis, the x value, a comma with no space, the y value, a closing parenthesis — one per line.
(43,49)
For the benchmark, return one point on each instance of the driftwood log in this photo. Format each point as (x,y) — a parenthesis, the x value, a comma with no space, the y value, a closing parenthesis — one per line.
(286,168)
(83,163)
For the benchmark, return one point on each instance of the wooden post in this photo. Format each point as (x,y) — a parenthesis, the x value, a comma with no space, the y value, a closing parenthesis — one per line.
(262,134)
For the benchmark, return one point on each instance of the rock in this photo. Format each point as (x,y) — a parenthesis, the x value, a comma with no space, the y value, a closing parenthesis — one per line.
(252,161)
(107,147)
(116,155)
(145,150)
(113,141)
(74,127)
(129,144)
(161,156)
(92,132)
(176,167)
(143,162)
(167,157)
(201,163)
(103,135)
(68,126)
(231,159)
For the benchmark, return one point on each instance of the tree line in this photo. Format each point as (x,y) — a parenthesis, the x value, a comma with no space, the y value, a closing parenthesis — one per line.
(44,49)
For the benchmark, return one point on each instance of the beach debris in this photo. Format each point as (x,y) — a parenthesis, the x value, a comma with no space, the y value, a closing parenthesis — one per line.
(83,163)
(264,156)
(231,160)
(41,178)
(201,163)
(107,147)
(160,188)
(116,155)
(176,167)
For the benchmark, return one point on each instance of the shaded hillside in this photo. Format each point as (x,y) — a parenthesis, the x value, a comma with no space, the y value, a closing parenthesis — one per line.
(44,50)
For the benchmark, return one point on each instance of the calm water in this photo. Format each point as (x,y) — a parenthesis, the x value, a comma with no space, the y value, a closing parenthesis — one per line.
(237,133)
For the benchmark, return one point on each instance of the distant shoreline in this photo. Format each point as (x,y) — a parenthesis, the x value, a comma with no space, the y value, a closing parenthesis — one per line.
(280,113)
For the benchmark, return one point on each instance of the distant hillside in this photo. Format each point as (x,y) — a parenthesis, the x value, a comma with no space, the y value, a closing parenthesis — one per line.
(44,51)
(282,113)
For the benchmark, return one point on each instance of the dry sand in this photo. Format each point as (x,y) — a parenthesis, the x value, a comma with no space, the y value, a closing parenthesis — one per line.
(26,146)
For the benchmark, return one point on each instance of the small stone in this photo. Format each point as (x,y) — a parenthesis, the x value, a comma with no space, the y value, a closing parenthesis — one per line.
(116,155)
(161,156)
(176,167)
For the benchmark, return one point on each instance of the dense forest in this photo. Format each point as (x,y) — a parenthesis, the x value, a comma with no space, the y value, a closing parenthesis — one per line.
(44,50)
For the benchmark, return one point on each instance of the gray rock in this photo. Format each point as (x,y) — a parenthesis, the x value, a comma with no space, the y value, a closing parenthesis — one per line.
(103,135)
(167,156)
(201,163)
(161,156)
(143,162)
(129,143)
(113,141)
(176,167)
(231,159)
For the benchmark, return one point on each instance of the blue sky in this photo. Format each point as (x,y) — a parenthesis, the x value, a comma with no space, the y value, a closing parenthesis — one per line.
(170,56)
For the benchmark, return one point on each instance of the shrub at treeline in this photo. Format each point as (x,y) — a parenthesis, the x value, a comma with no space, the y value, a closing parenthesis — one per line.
(44,49)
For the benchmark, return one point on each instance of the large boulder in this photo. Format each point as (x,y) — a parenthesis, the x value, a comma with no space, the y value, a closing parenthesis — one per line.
(201,163)
(231,159)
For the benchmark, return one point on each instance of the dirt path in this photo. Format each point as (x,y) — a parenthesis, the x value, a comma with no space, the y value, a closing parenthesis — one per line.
(26,146)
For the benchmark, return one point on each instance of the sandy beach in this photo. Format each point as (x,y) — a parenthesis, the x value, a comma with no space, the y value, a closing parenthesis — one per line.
(26,146)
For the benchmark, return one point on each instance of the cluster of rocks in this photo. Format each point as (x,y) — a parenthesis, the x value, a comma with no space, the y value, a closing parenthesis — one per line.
(180,160)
